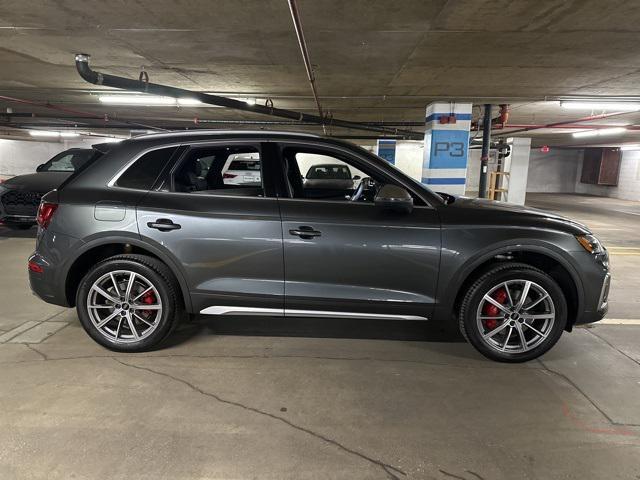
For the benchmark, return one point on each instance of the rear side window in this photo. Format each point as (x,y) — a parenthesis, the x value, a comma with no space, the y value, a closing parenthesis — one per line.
(145,171)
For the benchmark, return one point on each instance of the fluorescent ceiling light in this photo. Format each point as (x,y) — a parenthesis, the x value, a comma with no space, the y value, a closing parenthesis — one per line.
(611,131)
(51,133)
(603,131)
(43,133)
(148,100)
(586,133)
(617,106)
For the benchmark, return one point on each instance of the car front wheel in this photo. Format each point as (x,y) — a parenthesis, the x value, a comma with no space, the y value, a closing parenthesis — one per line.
(128,303)
(513,313)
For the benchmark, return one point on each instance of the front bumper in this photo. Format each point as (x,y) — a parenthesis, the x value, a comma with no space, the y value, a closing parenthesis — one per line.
(19,207)
(597,291)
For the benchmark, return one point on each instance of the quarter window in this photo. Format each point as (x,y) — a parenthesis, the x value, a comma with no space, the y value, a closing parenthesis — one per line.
(145,171)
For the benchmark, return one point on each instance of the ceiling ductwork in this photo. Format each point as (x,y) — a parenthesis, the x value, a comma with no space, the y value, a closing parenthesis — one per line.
(144,86)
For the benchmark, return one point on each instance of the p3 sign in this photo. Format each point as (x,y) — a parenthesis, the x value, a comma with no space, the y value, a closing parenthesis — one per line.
(449,149)
(454,149)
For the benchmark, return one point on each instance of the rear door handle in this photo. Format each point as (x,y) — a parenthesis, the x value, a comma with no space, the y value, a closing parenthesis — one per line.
(164,225)
(305,232)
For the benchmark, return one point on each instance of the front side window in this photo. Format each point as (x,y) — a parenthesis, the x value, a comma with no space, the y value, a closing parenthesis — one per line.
(221,170)
(145,171)
(317,175)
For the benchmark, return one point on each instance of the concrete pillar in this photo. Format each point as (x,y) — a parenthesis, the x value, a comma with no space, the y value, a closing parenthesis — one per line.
(517,164)
(387,150)
(446,146)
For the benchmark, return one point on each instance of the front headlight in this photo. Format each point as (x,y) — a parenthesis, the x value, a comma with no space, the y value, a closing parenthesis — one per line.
(591,244)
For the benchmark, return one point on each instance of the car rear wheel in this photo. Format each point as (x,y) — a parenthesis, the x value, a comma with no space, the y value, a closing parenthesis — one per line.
(128,303)
(513,313)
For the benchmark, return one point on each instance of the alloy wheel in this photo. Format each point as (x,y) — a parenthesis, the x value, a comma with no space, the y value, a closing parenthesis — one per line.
(515,316)
(124,306)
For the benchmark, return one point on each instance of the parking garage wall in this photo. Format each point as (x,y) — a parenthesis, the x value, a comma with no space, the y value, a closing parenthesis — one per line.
(554,171)
(18,157)
(628,187)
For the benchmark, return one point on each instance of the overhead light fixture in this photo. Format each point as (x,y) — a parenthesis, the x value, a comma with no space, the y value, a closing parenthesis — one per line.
(603,131)
(51,133)
(615,106)
(148,100)
(630,147)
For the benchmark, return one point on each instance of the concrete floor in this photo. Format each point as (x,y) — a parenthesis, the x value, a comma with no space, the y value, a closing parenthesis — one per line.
(367,401)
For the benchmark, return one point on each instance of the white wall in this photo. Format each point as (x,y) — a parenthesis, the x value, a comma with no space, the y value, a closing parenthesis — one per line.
(18,157)
(409,158)
(554,171)
(628,182)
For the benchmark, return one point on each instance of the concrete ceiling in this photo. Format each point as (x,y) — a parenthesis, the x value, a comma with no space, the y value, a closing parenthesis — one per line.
(374,61)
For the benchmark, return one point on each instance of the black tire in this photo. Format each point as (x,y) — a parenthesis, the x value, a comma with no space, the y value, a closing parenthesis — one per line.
(162,279)
(490,279)
(19,226)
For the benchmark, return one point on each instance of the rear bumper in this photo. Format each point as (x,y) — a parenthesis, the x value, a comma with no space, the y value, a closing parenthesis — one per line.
(17,220)
(52,255)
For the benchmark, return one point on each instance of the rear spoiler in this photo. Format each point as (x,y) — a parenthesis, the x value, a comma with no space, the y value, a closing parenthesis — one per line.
(104,147)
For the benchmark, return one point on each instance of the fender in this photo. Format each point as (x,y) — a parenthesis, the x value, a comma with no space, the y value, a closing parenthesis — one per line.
(133,239)
(515,245)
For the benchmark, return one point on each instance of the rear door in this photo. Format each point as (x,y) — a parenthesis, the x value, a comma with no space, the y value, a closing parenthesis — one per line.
(351,258)
(226,237)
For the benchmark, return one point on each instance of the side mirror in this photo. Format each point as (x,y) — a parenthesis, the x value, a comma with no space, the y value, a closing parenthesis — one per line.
(356,177)
(392,197)
(40,167)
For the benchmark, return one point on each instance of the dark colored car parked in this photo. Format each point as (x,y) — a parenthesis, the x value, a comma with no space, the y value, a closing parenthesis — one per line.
(147,234)
(20,195)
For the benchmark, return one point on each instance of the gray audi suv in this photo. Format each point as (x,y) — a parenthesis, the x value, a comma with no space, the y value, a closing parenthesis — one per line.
(155,230)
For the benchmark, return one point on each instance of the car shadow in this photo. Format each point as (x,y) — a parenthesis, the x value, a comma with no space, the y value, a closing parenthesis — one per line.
(6,232)
(315,328)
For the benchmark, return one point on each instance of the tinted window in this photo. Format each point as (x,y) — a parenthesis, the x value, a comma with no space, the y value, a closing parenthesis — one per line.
(68,161)
(144,172)
(231,170)
(329,172)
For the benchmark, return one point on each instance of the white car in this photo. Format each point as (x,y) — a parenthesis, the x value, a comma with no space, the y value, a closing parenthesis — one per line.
(242,169)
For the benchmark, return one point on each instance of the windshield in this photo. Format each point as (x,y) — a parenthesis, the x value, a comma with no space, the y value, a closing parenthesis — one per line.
(67,161)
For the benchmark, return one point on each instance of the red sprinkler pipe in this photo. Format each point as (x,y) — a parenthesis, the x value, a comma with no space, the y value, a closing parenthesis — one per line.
(563,123)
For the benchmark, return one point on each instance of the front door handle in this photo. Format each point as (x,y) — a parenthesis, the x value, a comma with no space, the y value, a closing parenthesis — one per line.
(305,232)
(164,225)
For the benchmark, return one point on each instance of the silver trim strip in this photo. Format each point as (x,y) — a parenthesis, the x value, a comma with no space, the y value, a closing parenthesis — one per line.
(602,302)
(234,310)
(328,314)
(230,310)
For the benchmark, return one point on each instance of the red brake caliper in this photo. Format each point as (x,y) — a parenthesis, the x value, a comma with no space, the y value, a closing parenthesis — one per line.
(491,310)
(149,298)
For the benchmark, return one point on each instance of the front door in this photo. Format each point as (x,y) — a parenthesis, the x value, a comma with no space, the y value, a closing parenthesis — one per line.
(224,232)
(345,257)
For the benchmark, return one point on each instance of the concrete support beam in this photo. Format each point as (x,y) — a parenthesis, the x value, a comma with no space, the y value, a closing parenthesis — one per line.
(446,148)
(517,164)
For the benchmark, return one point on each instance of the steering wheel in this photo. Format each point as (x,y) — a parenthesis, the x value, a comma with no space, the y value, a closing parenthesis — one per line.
(360,189)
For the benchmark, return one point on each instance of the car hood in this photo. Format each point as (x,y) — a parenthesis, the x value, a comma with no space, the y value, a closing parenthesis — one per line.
(41,182)
(493,212)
